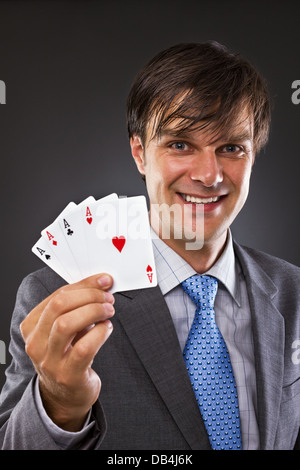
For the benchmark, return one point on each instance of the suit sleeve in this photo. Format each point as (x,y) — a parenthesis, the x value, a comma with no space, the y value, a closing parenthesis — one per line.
(21,425)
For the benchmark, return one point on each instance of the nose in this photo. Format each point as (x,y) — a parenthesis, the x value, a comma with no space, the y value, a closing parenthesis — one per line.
(206,168)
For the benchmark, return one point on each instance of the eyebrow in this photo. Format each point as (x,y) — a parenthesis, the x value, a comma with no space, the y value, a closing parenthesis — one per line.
(238,137)
(175,133)
(246,135)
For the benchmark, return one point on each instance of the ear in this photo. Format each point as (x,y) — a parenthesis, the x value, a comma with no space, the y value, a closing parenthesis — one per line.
(137,151)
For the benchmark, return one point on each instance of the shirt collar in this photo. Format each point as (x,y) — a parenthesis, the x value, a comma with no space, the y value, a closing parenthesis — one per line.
(172,269)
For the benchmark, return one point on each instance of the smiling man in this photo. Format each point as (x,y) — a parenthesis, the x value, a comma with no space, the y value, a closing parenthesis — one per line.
(196,117)
(205,359)
(211,178)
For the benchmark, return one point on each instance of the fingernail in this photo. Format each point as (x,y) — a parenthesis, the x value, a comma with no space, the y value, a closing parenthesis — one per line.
(108,324)
(108,297)
(108,308)
(104,281)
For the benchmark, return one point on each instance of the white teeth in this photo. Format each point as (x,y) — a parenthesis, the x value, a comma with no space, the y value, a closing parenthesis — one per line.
(199,200)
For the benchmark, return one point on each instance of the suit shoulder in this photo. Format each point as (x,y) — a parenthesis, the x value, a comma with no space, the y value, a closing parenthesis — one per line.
(42,279)
(34,288)
(275,267)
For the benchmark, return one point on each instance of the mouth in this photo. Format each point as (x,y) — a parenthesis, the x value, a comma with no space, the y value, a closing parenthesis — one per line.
(207,204)
(200,200)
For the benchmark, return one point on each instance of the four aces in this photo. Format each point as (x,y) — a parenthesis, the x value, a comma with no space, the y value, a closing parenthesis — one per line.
(108,235)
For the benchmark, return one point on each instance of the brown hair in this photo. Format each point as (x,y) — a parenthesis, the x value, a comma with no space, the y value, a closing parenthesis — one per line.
(204,86)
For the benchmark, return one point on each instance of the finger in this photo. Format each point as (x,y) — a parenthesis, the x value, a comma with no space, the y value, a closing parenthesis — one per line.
(55,317)
(76,323)
(83,352)
(67,301)
(99,281)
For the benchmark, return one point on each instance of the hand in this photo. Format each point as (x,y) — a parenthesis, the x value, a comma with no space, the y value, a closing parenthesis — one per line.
(62,335)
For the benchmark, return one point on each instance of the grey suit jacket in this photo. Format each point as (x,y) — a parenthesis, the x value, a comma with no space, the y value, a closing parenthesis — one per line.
(146,400)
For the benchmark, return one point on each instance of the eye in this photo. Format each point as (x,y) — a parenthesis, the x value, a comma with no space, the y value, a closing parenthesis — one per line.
(232,149)
(179,145)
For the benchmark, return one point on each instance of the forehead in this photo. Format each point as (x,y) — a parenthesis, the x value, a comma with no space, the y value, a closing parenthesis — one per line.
(188,111)
(237,126)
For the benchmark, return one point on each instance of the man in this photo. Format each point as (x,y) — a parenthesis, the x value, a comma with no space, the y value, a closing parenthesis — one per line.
(96,371)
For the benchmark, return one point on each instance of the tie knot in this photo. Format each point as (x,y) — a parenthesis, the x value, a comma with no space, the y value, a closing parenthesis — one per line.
(202,289)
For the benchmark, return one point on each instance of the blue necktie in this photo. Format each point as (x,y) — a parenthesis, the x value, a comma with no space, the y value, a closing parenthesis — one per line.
(209,367)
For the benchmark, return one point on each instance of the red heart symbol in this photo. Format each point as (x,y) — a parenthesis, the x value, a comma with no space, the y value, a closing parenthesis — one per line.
(119,242)
(149,269)
(89,220)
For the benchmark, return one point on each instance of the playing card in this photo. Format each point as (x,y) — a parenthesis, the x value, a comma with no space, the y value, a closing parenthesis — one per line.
(50,247)
(42,250)
(72,227)
(118,242)
(56,241)
(109,235)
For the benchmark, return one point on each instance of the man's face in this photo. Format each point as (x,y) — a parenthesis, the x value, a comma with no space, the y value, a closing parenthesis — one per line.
(211,178)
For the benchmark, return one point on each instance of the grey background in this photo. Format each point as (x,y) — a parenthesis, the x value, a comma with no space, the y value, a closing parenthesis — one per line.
(68,66)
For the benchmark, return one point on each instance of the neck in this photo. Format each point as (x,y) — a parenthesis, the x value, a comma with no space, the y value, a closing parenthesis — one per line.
(201,259)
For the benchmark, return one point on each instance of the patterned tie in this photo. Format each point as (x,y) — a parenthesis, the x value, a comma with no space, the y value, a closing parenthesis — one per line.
(209,367)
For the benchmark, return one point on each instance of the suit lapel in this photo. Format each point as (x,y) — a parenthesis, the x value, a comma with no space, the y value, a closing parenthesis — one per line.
(147,322)
(268,335)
